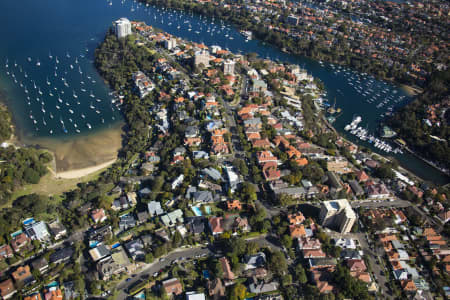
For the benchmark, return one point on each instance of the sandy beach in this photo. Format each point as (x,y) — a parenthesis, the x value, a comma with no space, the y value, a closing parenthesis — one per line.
(72,174)
(411,91)
(81,155)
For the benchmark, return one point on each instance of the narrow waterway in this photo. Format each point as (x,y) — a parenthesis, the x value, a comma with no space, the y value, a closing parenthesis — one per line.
(35,33)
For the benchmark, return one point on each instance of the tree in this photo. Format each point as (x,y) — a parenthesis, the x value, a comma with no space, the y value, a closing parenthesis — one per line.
(217,269)
(148,258)
(177,239)
(300,274)
(238,292)
(277,263)
(286,240)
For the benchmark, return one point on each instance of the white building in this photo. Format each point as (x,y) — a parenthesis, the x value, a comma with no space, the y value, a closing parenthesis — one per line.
(143,84)
(337,213)
(228,67)
(202,57)
(170,43)
(123,27)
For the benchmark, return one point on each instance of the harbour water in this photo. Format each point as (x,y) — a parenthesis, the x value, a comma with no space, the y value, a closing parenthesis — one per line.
(70,30)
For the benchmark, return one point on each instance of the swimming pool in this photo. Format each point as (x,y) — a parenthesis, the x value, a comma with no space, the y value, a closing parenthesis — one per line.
(197,211)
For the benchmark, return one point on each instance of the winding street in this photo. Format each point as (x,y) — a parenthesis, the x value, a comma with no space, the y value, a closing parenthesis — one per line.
(179,255)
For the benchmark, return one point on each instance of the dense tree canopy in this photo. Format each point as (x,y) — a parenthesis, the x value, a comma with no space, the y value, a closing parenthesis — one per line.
(410,125)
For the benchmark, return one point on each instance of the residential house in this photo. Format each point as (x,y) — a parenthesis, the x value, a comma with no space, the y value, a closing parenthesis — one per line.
(22,275)
(377,191)
(213,173)
(34,296)
(294,192)
(356,188)
(171,219)
(120,204)
(5,251)
(126,222)
(98,235)
(254,261)
(142,217)
(258,273)
(135,249)
(7,289)
(234,204)
(57,230)
(172,286)
(40,264)
(107,267)
(266,156)
(259,287)
(296,218)
(345,243)
(270,171)
(62,255)
(195,296)
(297,231)
(70,291)
(196,225)
(202,197)
(38,231)
(53,294)
(99,252)
(322,263)
(154,208)
(356,265)
(306,243)
(216,290)
(143,193)
(339,166)
(226,269)
(21,242)
(98,215)
(313,253)
(215,225)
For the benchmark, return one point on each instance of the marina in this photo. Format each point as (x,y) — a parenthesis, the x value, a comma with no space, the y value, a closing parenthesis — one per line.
(54,90)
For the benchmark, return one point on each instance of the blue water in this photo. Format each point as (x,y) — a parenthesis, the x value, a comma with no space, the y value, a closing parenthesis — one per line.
(35,28)
(53,284)
(197,211)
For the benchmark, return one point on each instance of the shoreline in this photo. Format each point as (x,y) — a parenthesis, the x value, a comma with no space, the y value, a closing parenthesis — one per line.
(79,173)
(82,153)
(410,90)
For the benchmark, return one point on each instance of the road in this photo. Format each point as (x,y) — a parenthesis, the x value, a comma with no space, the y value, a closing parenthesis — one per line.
(372,254)
(398,203)
(380,203)
(183,254)
(158,265)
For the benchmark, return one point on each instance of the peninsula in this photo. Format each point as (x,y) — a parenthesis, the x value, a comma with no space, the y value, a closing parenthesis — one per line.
(230,185)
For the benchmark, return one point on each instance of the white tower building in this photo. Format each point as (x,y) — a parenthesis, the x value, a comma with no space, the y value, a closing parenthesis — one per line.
(123,27)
